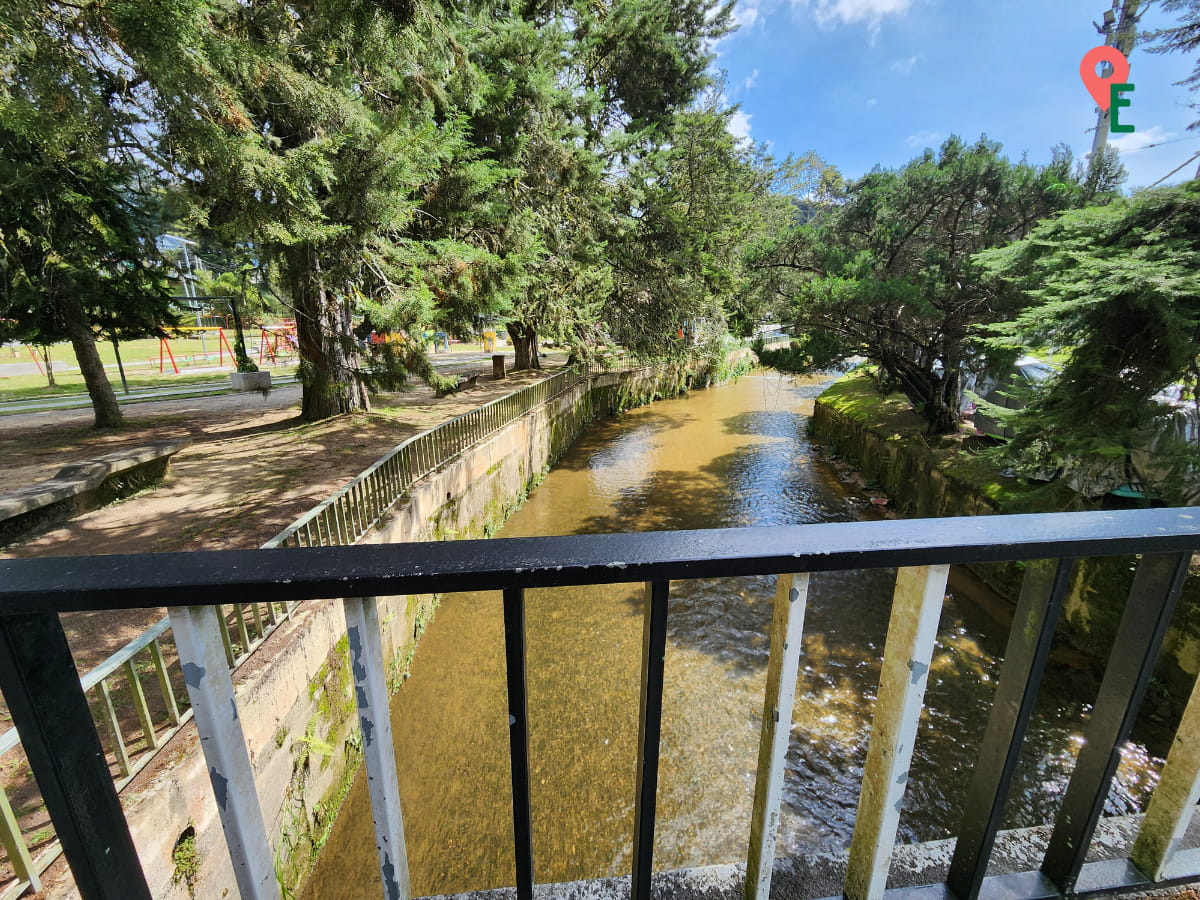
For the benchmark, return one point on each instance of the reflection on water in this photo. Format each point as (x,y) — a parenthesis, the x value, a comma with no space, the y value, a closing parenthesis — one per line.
(735,455)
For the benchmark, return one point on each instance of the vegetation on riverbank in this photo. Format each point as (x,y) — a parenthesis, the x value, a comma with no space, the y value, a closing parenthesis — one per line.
(924,477)
(960,456)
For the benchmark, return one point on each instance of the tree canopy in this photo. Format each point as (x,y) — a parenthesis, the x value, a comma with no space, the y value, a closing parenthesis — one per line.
(1181,38)
(1119,287)
(76,217)
(887,271)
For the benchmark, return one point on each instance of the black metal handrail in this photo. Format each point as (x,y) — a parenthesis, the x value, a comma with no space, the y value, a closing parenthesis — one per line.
(141,581)
(35,670)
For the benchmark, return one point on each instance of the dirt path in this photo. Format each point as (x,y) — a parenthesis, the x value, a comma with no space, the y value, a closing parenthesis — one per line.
(252,468)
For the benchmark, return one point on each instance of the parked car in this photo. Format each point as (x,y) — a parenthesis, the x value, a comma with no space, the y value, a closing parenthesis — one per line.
(1004,391)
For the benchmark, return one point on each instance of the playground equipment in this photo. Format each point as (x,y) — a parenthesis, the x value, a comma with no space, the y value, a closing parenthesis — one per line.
(275,343)
(164,347)
(269,341)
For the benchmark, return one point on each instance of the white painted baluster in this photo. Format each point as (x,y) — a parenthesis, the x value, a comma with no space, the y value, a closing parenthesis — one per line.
(370,689)
(210,687)
(14,845)
(787,629)
(1156,850)
(912,630)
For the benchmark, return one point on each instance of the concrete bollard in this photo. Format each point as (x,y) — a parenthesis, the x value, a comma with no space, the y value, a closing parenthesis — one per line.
(250,381)
(498,366)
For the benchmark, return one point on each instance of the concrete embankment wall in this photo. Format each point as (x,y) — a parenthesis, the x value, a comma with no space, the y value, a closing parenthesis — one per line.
(294,694)
(907,472)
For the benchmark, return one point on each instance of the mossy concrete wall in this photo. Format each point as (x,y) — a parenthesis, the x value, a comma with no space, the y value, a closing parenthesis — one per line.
(908,472)
(296,709)
(294,694)
(475,493)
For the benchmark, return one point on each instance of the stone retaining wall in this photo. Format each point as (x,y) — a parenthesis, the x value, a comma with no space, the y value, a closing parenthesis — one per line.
(908,473)
(294,693)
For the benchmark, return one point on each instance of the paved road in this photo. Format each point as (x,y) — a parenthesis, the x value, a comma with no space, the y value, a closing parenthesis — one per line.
(447,365)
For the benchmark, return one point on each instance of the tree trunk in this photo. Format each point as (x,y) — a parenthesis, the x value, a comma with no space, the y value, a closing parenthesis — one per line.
(942,417)
(525,345)
(47,365)
(79,330)
(328,352)
(937,398)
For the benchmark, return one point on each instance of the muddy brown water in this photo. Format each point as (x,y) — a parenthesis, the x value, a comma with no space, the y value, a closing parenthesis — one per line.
(734,455)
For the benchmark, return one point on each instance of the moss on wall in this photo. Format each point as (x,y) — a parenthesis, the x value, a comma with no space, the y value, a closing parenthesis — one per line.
(479,510)
(929,478)
(330,736)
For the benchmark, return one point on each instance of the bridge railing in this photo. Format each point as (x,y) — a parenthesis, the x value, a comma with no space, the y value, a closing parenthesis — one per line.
(357,507)
(135,727)
(36,674)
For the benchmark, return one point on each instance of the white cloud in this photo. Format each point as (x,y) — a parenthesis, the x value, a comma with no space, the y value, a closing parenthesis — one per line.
(871,101)
(1140,139)
(827,13)
(746,13)
(852,12)
(739,125)
(752,80)
(923,139)
(905,66)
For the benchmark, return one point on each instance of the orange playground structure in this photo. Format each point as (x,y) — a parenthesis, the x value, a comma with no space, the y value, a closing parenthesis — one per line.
(276,343)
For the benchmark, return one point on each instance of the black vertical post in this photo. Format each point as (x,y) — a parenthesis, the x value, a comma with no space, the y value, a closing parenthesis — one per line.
(49,709)
(518,738)
(654,649)
(1156,588)
(1042,594)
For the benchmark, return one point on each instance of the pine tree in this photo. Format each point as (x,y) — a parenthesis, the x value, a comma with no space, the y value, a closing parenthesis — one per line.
(76,248)
(1181,38)
(889,273)
(1120,286)
(306,130)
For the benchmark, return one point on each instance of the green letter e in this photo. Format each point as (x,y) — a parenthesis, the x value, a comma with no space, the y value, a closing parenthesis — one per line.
(1116,102)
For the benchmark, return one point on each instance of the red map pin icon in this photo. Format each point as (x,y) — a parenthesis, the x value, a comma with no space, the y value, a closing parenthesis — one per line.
(1097,86)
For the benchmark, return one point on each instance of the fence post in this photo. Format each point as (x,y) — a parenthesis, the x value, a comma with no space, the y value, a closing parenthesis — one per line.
(1043,591)
(912,630)
(654,648)
(518,738)
(164,682)
(370,689)
(14,845)
(1174,800)
(787,629)
(1157,585)
(210,688)
(51,713)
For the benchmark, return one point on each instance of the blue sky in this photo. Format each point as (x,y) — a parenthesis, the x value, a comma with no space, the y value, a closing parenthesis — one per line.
(862,82)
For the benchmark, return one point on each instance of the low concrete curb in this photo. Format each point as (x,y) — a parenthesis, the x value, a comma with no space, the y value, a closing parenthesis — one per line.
(821,875)
(82,487)
(250,381)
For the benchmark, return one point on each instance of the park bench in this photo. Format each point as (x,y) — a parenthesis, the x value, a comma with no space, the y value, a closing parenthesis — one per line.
(81,487)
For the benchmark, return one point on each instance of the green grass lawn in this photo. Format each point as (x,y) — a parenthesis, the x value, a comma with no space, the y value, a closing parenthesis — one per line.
(135,354)
(141,361)
(965,458)
(33,387)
